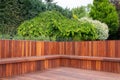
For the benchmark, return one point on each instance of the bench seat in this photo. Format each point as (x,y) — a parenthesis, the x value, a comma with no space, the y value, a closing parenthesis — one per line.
(17,66)
(27,59)
(36,58)
(92,58)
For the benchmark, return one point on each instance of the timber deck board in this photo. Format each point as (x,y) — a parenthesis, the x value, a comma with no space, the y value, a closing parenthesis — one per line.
(66,74)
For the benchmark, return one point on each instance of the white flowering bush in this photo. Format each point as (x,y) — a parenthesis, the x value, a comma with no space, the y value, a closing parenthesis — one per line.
(102,28)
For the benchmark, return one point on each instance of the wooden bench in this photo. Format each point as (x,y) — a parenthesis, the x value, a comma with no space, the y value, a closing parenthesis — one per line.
(91,58)
(17,66)
(92,63)
(36,58)
(30,64)
(27,59)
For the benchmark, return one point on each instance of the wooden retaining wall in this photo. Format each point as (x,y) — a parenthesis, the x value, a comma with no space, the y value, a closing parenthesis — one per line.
(13,48)
(92,55)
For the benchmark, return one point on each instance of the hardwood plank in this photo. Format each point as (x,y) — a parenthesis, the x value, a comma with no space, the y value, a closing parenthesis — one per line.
(66,74)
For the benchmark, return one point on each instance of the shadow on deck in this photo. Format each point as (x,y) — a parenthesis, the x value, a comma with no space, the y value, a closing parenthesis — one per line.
(66,74)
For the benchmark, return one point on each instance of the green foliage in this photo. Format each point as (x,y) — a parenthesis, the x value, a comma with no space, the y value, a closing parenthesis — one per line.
(31,8)
(8,15)
(102,28)
(76,31)
(19,37)
(117,5)
(65,12)
(45,24)
(13,12)
(88,31)
(49,1)
(104,11)
(4,36)
(54,25)
(82,11)
(53,6)
(40,38)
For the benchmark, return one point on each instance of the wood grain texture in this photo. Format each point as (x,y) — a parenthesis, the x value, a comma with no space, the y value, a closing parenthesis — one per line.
(14,48)
(26,67)
(18,57)
(66,74)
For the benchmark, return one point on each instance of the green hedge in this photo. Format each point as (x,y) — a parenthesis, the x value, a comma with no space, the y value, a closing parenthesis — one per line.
(54,25)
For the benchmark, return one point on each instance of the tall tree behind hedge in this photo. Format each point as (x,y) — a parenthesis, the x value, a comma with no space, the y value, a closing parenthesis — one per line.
(117,4)
(82,11)
(13,12)
(9,15)
(50,5)
(104,11)
(65,12)
(79,11)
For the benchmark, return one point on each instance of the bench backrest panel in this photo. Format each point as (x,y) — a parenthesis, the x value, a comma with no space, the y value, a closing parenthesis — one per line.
(21,48)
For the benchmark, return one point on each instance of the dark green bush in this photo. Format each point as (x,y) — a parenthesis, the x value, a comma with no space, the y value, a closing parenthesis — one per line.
(105,12)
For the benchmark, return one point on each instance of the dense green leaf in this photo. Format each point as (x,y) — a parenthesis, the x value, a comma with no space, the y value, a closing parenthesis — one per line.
(105,12)
(54,25)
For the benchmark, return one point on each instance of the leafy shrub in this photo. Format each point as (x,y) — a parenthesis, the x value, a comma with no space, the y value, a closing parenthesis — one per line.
(102,28)
(105,12)
(88,30)
(14,12)
(17,37)
(40,38)
(43,25)
(54,25)
(5,36)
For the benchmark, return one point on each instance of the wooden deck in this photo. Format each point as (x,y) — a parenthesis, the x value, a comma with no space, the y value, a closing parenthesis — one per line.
(66,74)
